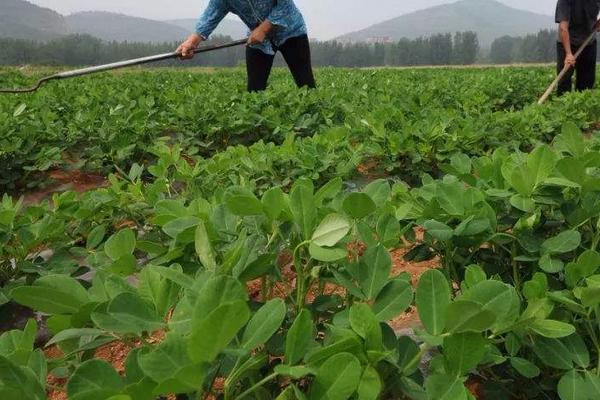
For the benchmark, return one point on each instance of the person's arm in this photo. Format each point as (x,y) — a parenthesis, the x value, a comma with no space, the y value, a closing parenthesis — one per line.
(275,20)
(563,16)
(565,38)
(210,19)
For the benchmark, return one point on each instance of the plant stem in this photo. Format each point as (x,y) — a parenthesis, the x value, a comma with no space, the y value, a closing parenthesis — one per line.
(515,266)
(256,386)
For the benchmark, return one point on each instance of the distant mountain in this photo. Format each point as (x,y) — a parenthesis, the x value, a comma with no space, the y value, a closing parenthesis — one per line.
(120,28)
(489,18)
(228,27)
(22,20)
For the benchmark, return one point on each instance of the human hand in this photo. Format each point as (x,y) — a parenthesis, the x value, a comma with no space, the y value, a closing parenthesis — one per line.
(186,49)
(570,60)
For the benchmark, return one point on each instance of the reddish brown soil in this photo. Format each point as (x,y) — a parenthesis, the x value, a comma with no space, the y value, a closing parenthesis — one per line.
(77,181)
(370,169)
(56,386)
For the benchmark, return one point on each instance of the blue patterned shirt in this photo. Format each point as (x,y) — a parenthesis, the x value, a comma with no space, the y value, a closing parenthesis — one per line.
(283,14)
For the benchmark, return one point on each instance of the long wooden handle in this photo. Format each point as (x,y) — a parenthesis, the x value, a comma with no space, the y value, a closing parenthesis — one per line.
(566,69)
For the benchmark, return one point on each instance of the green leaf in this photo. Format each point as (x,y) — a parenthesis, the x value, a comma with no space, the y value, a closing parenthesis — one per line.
(68,334)
(370,385)
(350,344)
(211,334)
(52,294)
(388,230)
(468,316)
(302,205)
(159,291)
(379,191)
(375,270)
(408,350)
(497,297)
(463,352)
(553,353)
(525,367)
(444,387)
(273,202)
(564,242)
(578,350)
(264,324)
(474,275)
(541,163)
(438,230)
(551,265)
(358,205)
(218,290)
(296,372)
(204,248)
(337,379)
(572,387)
(94,380)
(19,110)
(329,190)
(128,313)
(571,140)
(242,202)
(299,338)
(432,300)
(18,383)
(326,254)
(265,264)
(552,329)
(332,229)
(169,362)
(593,384)
(181,228)
(393,300)
(120,244)
(522,203)
(95,237)
(366,325)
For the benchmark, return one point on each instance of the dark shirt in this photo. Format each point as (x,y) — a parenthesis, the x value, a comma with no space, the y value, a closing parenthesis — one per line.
(582,16)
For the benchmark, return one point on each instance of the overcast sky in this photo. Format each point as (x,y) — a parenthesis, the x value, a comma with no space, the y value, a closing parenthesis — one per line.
(325,18)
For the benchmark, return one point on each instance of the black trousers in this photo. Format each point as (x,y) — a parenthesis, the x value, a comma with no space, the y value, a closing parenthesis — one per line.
(295,51)
(585,69)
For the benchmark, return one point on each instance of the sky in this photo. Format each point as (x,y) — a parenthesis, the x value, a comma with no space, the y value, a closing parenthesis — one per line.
(325,18)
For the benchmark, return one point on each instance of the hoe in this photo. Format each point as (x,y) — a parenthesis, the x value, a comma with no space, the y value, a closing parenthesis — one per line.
(120,64)
(566,69)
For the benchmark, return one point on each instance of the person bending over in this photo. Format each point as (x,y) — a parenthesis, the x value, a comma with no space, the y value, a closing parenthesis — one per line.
(577,20)
(275,25)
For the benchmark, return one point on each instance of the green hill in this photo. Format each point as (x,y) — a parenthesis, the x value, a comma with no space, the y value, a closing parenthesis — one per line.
(22,20)
(120,28)
(489,18)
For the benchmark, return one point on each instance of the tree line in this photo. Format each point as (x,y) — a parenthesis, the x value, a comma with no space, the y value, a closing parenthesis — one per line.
(76,50)
(532,48)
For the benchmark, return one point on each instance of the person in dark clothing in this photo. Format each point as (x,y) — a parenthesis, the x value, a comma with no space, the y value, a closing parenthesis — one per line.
(275,25)
(577,19)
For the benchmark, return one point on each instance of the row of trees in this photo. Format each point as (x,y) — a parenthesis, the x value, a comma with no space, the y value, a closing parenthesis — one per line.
(540,47)
(462,48)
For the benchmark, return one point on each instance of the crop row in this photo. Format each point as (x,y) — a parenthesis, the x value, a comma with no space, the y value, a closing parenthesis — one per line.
(158,254)
(415,120)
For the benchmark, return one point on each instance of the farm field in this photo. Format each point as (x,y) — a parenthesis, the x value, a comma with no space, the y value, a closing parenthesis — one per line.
(394,234)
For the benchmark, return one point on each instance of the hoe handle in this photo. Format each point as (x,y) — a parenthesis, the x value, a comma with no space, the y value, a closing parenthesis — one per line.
(144,60)
(566,69)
